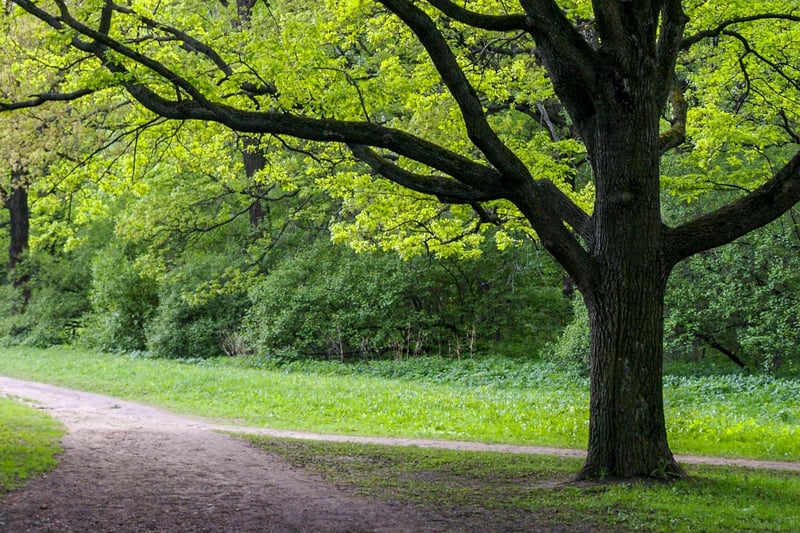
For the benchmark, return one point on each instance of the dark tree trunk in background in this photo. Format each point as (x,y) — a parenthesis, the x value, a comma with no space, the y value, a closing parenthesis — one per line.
(19,233)
(254,161)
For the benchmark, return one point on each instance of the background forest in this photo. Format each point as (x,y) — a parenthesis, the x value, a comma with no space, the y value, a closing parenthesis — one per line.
(130,233)
(188,256)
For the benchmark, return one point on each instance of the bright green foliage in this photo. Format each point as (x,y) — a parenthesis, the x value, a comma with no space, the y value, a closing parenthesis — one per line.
(741,89)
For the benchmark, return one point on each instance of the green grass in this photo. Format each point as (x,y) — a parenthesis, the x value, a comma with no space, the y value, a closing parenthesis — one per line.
(508,492)
(28,443)
(488,400)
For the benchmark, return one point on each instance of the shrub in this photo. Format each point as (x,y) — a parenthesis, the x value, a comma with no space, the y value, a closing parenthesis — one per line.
(123,299)
(197,309)
(58,299)
(184,330)
(571,350)
(328,301)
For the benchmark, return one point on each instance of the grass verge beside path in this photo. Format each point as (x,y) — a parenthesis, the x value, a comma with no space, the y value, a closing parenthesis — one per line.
(510,492)
(29,442)
(488,400)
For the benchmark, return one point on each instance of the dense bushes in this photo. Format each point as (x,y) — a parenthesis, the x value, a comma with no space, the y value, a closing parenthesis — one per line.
(123,299)
(329,301)
(218,292)
(57,302)
(192,320)
(742,300)
(317,300)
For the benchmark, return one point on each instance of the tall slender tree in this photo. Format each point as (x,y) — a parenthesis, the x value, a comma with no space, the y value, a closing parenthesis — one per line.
(625,71)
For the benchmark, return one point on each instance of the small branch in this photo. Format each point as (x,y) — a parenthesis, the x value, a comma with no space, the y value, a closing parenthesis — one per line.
(718,30)
(487,216)
(712,342)
(676,134)
(39,99)
(189,43)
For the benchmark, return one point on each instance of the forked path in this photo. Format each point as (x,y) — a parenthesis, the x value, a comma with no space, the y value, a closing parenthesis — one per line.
(128,467)
(132,468)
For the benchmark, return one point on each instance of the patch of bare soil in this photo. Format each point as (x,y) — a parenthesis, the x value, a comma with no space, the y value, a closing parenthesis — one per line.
(127,467)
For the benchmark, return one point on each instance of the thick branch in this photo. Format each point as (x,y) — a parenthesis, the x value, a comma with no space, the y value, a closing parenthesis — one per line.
(39,99)
(567,56)
(479,20)
(447,190)
(478,128)
(673,23)
(548,210)
(757,209)
(567,210)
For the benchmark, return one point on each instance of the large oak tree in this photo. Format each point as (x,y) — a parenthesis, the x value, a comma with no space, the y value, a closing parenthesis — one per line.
(620,79)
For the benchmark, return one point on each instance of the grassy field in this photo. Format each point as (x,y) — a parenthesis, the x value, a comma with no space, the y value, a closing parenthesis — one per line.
(489,400)
(28,443)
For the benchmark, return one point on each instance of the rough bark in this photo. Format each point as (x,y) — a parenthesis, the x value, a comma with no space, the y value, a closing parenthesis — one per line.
(627,431)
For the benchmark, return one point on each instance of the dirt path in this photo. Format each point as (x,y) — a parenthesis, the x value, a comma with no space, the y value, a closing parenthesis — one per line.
(132,468)
(127,467)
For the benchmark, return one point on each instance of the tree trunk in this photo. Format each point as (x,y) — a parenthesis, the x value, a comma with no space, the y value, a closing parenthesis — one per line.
(19,229)
(254,161)
(17,205)
(627,431)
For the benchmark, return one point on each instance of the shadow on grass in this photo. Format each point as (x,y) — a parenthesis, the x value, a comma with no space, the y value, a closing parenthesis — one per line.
(487,491)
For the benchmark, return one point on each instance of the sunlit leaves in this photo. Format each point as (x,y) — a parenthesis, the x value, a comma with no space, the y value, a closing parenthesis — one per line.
(354,60)
(743,87)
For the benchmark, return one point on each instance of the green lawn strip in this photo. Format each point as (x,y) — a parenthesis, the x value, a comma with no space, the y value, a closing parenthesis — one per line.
(487,400)
(29,442)
(516,492)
